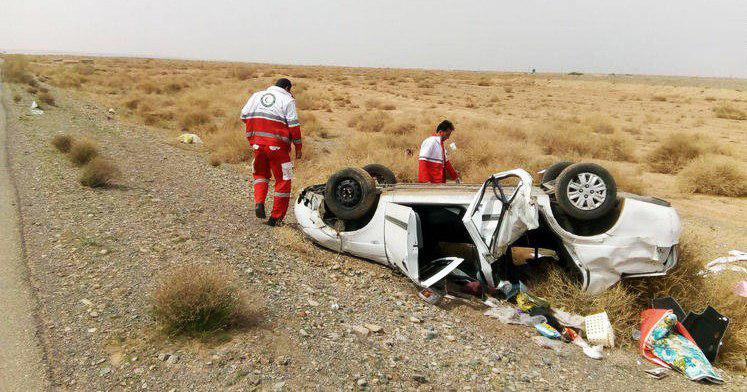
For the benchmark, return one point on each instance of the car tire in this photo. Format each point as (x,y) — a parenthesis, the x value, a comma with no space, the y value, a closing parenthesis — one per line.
(586,191)
(554,170)
(382,174)
(350,193)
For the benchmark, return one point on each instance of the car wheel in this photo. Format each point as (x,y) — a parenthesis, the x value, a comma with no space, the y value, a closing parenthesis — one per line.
(554,170)
(382,174)
(350,193)
(585,191)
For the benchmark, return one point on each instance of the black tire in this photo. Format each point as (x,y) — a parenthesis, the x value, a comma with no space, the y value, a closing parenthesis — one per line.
(575,193)
(554,170)
(350,193)
(382,174)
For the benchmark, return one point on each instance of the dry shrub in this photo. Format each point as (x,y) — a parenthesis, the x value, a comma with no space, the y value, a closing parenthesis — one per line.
(149,88)
(242,73)
(484,82)
(674,153)
(373,121)
(16,69)
(190,119)
(572,141)
(628,180)
(62,143)
(83,151)
(98,173)
(312,126)
(659,98)
(600,124)
(195,299)
(84,69)
(228,144)
(47,98)
(306,100)
(730,112)
(714,175)
(626,300)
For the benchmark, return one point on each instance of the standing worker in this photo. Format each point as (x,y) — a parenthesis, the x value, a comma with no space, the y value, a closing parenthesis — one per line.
(271,126)
(433,163)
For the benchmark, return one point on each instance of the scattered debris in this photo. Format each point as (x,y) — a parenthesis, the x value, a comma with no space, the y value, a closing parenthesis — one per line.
(430,296)
(725,263)
(657,373)
(35,109)
(545,342)
(190,138)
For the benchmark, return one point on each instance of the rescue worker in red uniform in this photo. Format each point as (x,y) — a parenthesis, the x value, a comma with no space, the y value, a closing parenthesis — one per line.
(271,127)
(433,163)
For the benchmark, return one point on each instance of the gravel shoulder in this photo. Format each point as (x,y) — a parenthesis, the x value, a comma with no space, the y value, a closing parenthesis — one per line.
(93,255)
(22,365)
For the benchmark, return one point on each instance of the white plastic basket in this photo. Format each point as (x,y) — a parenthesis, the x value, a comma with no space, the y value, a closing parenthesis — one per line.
(599,330)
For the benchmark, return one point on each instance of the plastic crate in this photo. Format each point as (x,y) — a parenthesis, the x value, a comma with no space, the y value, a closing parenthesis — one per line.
(599,330)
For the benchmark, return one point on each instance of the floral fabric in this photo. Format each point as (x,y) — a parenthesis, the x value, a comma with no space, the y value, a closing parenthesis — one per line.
(678,351)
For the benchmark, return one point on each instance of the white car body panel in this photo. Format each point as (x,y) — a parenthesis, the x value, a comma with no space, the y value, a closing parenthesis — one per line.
(640,243)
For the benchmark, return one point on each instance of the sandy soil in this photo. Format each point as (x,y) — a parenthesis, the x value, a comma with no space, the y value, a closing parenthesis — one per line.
(93,256)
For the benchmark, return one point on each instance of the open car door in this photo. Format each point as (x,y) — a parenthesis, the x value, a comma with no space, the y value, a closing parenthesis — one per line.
(498,215)
(403,239)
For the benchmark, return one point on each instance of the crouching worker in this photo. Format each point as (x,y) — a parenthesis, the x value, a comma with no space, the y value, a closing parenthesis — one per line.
(433,163)
(271,127)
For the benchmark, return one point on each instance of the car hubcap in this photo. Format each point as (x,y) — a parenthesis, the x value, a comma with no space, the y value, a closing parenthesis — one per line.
(349,193)
(587,191)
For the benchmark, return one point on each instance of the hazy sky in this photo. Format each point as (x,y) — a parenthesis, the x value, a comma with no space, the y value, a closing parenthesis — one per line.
(675,37)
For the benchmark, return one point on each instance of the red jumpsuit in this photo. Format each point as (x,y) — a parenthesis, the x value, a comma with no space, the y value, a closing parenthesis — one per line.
(433,163)
(271,127)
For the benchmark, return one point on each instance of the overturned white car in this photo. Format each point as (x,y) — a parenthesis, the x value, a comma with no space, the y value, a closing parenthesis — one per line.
(597,233)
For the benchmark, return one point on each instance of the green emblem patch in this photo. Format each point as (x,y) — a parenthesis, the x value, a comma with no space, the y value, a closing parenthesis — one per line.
(267,100)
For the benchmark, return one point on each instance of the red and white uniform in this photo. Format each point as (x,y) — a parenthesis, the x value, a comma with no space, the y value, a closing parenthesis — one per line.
(433,163)
(271,127)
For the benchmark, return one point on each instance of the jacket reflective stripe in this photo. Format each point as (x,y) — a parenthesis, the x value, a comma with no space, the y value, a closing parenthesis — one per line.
(260,180)
(266,116)
(282,194)
(267,134)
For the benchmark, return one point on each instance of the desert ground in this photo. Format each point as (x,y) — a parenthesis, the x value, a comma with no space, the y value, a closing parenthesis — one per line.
(95,255)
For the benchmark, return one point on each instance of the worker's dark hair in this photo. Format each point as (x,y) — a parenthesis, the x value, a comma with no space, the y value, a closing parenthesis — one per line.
(284,83)
(445,125)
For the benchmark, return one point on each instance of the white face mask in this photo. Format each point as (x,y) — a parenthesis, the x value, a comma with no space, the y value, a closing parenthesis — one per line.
(452,146)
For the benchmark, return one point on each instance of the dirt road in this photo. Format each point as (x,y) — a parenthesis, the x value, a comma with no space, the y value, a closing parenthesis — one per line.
(21,358)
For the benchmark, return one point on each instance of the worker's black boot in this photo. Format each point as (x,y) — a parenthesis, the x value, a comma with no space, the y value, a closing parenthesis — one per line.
(273,221)
(259,210)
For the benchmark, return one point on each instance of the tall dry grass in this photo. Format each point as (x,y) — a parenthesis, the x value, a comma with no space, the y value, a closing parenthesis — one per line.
(728,111)
(714,175)
(676,151)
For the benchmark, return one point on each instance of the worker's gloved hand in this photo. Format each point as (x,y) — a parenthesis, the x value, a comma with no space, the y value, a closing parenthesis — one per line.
(298,154)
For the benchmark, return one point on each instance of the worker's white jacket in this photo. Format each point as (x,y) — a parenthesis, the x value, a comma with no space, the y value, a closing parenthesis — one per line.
(271,119)
(434,164)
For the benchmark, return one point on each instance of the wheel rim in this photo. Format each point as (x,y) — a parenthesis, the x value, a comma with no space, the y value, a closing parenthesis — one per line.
(587,191)
(349,193)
